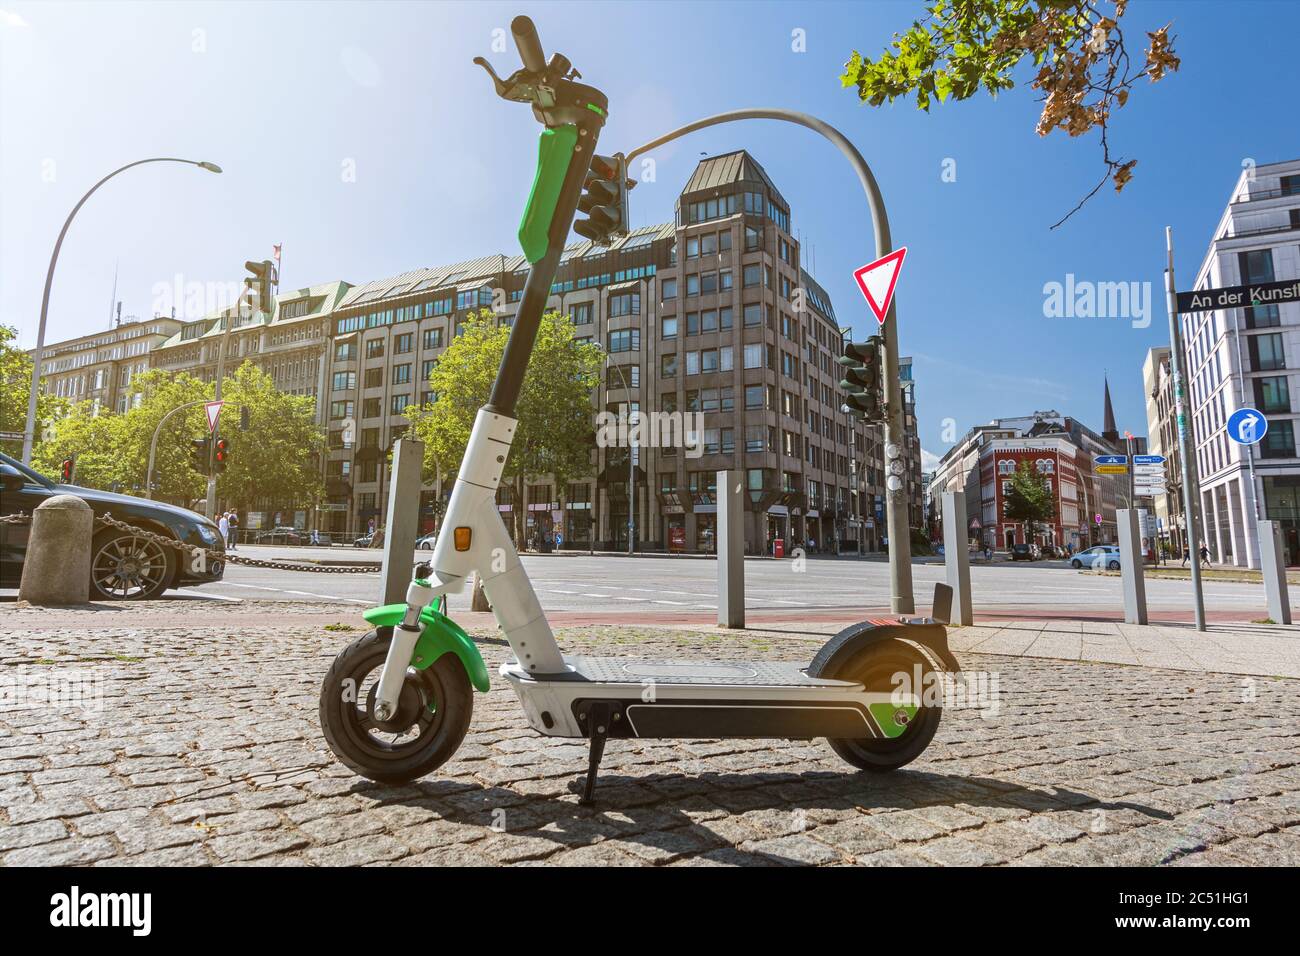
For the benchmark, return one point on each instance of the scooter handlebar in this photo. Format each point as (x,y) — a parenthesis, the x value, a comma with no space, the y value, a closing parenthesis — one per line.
(530,47)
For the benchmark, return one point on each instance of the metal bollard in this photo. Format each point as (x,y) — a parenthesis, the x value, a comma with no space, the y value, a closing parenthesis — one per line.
(1273,567)
(56,569)
(731,549)
(956,556)
(1130,567)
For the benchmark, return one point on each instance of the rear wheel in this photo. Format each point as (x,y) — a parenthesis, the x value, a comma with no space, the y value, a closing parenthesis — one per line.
(433,713)
(875,668)
(127,567)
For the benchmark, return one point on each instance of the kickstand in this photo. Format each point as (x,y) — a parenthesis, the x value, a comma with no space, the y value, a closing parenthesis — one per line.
(599,715)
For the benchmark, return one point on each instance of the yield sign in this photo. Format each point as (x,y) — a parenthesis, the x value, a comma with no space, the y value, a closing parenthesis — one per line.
(877,280)
(214,412)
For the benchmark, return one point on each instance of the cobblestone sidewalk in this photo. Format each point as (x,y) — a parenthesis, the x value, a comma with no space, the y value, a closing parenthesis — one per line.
(206,751)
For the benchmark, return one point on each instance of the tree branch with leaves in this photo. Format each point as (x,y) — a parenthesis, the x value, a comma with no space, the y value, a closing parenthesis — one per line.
(1082,68)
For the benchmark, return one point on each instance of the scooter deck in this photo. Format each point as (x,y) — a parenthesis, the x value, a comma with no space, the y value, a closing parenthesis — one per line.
(623,670)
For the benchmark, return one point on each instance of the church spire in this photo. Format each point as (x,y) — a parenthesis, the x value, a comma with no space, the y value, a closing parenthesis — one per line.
(1108,430)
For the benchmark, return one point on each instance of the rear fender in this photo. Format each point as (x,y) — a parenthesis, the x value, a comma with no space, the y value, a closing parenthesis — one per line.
(440,635)
(845,645)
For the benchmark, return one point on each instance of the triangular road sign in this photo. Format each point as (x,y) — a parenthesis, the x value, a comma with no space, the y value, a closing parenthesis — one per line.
(877,280)
(214,412)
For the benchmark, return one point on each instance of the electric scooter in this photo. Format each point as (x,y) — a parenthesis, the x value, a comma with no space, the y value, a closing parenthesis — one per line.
(396,703)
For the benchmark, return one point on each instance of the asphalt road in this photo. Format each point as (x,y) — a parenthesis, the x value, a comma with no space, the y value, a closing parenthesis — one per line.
(653,585)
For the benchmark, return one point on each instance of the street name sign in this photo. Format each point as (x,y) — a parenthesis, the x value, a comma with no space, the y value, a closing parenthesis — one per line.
(1110,464)
(878,279)
(1239,296)
(1246,426)
(1149,459)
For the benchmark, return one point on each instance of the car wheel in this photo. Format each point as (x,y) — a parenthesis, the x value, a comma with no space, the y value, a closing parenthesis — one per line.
(1114,565)
(126,567)
(1076,564)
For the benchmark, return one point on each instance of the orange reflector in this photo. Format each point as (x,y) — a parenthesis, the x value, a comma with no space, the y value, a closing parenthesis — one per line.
(463,536)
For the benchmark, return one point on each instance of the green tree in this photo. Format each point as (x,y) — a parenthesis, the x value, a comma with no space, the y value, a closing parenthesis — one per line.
(1081,67)
(15,388)
(153,394)
(556,430)
(91,438)
(278,459)
(1029,499)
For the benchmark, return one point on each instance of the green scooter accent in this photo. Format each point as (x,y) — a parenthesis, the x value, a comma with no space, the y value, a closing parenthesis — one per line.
(554,151)
(887,713)
(441,635)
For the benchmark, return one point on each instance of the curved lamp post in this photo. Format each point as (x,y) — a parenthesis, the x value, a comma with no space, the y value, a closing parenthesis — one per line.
(30,429)
(900,551)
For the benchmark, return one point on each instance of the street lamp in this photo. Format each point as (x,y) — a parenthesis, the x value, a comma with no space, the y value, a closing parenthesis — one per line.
(29,431)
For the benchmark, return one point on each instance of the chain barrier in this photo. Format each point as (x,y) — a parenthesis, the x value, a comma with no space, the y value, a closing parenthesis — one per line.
(196,553)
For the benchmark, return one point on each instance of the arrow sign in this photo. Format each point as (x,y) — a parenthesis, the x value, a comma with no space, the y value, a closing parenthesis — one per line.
(1246,426)
(1110,460)
(877,280)
(214,412)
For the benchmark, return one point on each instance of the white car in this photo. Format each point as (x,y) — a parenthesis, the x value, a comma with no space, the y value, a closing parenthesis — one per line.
(426,543)
(1098,557)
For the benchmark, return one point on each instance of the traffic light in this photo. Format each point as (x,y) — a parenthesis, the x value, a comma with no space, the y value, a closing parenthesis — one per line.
(68,469)
(604,200)
(202,454)
(243,418)
(861,361)
(260,282)
(222,453)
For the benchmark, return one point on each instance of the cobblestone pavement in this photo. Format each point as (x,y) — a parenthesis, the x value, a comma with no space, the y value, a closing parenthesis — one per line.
(206,750)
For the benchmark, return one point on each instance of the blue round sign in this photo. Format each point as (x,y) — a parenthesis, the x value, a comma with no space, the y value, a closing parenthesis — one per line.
(1246,426)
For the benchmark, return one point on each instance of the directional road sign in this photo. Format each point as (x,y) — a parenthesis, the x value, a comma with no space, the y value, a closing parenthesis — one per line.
(1246,426)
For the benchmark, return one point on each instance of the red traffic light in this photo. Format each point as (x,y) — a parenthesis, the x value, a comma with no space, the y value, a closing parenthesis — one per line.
(67,469)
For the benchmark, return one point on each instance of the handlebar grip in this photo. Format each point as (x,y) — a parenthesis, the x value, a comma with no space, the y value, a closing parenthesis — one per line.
(530,47)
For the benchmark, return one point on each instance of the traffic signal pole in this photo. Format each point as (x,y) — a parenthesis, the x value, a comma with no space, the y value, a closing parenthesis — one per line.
(153,444)
(900,540)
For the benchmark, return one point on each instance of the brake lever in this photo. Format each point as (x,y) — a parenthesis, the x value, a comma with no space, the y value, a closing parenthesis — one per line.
(524,86)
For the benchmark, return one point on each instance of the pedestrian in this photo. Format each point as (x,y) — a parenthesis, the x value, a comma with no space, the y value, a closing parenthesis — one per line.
(1205,555)
(1186,554)
(315,536)
(812,545)
(223,525)
(233,542)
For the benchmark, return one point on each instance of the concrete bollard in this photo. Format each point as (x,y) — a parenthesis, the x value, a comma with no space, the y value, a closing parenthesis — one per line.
(56,569)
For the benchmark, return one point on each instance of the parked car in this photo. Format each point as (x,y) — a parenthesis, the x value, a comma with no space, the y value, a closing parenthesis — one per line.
(1022,552)
(365,541)
(1098,557)
(122,566)
(281,536)
(426,542)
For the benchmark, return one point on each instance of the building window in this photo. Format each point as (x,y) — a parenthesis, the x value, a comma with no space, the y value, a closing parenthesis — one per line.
(374,377)
(426,369)
(755,395)
(669,327)
(433,338)
(754,356)
(1279,442)
(399,403)
(623,376)
(345,381)
(581,312)
(624,340)
(669,287)
(375,348)
(371,408)
(753,275)
(1272,394)
(1266,352)
(345,351)
(627,303)
(668,365)
(753,314)
(403,343)
(401,374)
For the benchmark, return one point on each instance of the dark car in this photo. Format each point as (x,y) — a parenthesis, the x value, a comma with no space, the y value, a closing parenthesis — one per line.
(1022,552)
(280,536)
(122,566)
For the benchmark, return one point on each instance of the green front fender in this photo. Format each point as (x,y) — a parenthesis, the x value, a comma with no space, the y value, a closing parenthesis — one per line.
(440,636)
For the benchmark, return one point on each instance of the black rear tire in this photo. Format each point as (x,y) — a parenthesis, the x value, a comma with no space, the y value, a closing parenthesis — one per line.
(875,667)
(435,707)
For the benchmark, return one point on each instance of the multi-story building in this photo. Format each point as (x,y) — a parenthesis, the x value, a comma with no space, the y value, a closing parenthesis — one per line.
(97,368)
(1058,447)
(1246,357)
(1162,439)
(710,314)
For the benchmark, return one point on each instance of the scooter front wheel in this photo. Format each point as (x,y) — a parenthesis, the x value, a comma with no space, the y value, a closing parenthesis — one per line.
(876,668)
(433,713)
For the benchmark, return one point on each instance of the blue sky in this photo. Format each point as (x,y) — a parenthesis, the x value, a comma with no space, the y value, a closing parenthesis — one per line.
(288,95)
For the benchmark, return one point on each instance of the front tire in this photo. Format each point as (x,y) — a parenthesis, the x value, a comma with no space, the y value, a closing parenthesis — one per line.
(434,710)
(875,668)
(126,567)
(1113,566)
